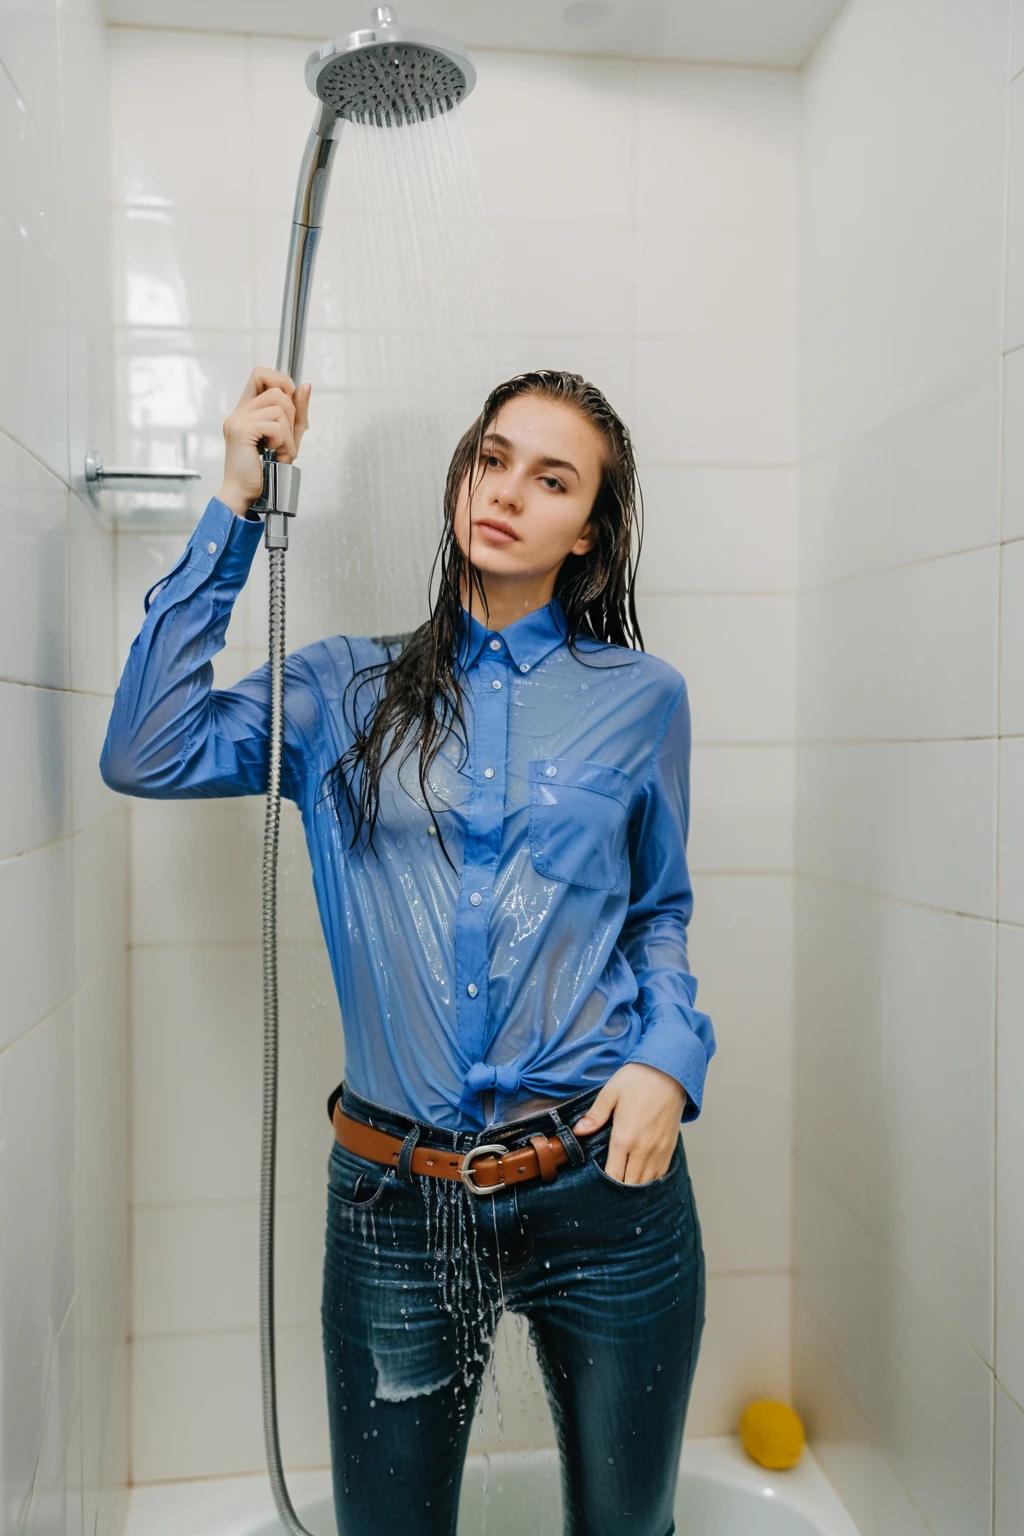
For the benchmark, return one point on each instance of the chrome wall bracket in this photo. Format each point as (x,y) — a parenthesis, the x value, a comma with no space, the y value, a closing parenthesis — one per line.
(99,478)
(279,500)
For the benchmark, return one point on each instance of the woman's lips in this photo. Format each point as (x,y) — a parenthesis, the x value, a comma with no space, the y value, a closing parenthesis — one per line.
(498,534)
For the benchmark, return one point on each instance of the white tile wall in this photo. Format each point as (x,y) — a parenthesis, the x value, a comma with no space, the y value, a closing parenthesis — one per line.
(711,400)
(841,1434)
(1009,1491)
(912,820)
(1014,332)
(725,529)
(908,654)
(156,81)
(1010,1155)
(744,1353)
(34,582)
(745,1219)
(903,215)
(1011,672)
(1011,829)
(33,393)
(897,1008)
(1013,445)
(741,804)
(925,1394)
(576,160)
(646,222)
(737,655)
(905,1273)
(196,1404)
(921,484)
(63,1043)
(37,1200)
(181,267)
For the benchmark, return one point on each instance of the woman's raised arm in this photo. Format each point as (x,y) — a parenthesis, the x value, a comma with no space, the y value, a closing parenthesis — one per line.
(171,734)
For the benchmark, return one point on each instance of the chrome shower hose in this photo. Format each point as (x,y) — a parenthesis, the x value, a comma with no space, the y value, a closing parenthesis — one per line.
(268,1152)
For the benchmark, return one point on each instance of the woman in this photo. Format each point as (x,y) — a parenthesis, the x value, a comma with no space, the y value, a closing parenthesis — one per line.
(496,816)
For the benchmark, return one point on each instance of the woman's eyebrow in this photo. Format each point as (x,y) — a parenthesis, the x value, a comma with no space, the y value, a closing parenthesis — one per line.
(546,462)
(559,464)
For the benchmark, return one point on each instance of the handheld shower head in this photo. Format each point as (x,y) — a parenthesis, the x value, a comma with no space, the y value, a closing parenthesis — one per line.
(390,75)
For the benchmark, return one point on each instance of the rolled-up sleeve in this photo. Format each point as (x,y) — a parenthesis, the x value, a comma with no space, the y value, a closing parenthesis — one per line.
(677,1037)
(171,733)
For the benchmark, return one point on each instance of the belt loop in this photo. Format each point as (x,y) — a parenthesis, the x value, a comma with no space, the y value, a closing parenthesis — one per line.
(405,1156)
(575,1153)
(545,1158)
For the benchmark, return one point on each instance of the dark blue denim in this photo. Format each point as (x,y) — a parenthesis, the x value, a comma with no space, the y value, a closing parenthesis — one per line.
(416,1274)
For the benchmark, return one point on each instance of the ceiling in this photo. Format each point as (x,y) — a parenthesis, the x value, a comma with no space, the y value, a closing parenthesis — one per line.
(772,32)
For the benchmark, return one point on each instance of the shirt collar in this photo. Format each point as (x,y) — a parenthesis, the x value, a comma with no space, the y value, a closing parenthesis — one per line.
(527,641)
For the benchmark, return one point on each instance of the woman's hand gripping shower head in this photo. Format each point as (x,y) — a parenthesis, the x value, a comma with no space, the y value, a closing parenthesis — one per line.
(273,413)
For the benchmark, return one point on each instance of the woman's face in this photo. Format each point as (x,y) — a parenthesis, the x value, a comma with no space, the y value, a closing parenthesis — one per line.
(533,491)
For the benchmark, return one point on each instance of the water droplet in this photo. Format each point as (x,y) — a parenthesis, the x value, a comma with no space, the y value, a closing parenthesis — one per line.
(638,1231)
(611,1461)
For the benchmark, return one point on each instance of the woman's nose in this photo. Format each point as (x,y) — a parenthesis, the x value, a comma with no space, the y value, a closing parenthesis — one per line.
(508,492)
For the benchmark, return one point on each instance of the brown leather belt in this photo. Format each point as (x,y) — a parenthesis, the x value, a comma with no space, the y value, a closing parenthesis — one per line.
(483,1169)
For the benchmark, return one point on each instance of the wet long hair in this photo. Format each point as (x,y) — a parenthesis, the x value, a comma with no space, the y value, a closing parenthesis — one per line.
(420,703)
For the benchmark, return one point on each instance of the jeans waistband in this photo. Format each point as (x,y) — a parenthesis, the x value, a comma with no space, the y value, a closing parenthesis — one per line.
(551,1121)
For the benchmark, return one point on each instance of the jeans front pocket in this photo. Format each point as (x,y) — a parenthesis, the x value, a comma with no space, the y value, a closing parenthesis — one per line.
(652,1186)
(578,823)
(355,1182)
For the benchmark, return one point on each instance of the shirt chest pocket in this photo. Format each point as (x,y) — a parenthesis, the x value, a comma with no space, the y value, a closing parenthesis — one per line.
(578,817)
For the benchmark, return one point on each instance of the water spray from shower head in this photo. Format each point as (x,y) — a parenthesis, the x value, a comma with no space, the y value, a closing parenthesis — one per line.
(385,75)
(390,75)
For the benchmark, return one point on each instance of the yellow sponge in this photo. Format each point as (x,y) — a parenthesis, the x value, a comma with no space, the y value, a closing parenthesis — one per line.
(772,1434)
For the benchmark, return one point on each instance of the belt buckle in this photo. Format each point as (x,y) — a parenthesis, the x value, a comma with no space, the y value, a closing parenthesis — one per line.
(466,1171)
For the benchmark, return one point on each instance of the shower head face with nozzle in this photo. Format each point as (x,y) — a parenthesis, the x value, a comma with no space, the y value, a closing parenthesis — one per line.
(390,75)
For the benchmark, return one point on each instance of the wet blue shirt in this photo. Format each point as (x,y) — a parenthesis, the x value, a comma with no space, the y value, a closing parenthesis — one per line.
(554,950)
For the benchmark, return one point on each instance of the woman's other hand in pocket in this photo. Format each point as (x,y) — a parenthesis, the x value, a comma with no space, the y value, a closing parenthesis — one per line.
(646,1106)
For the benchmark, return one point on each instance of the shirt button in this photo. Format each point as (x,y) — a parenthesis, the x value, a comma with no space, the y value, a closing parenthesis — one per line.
(211,548)
(551,770)
(496,683)
(472,989)
(432,830)
(488,773)
(524,666)
(475,899)
(495,645)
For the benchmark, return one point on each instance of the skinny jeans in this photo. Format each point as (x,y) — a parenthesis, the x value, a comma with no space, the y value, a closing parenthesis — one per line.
(417,1272)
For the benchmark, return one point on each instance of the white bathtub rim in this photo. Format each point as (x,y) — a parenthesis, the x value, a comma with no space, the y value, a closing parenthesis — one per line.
(235,1506)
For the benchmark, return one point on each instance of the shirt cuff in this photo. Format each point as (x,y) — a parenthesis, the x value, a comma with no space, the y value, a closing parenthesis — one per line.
(221,527)
(671,1043)
(220,541)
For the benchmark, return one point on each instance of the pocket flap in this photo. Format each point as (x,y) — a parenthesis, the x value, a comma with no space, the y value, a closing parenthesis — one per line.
(548,774)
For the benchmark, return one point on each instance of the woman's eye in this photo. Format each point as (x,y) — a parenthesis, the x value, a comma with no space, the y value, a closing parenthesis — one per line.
(553,484)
